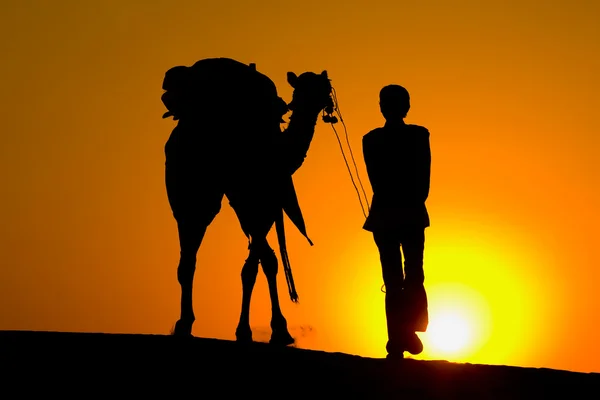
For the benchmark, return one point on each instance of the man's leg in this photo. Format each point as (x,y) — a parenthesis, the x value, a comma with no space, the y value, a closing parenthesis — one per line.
(391,266)
(413,246)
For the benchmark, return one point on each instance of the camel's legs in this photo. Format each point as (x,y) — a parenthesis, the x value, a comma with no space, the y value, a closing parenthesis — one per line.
(280,334)
(243,332)
(190,238)
(195,197)
(261,251)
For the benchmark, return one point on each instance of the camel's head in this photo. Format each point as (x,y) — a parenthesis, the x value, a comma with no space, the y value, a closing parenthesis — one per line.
(312,92)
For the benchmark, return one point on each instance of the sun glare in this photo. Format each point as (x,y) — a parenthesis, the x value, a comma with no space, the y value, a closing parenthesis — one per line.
(458,322)
(449,332)
(478,300)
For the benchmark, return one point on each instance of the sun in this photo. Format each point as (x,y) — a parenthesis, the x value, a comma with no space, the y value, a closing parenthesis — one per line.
(459,322)
(449,333)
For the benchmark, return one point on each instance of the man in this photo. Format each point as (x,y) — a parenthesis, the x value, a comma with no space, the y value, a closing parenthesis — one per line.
(398,161)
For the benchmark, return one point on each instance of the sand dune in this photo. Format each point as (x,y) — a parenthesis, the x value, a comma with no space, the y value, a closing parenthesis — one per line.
(87,365)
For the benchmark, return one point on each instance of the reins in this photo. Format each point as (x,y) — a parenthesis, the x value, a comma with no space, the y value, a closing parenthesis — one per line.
(332,120)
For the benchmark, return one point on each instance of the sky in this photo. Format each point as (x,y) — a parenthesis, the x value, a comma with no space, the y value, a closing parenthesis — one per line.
(508,90)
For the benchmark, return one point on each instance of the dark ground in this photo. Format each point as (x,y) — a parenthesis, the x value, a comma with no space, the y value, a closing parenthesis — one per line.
(86,365)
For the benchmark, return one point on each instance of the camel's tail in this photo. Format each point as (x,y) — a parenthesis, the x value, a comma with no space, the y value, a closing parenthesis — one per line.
(284,257)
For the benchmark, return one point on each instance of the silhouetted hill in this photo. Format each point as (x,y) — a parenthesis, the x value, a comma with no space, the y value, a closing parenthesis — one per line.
(87,365)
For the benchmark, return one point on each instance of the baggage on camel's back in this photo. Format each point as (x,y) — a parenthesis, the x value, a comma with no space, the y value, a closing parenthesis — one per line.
(222,88)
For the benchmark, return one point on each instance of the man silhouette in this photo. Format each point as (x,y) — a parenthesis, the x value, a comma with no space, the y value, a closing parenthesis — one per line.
(398,161)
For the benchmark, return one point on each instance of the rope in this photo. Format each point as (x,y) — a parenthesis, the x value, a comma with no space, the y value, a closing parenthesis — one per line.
(339,113)
(337,109)
(350,172)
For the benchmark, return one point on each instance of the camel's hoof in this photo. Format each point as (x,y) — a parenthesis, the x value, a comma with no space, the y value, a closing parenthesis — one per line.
(182,329)
(243,335)
(281,338)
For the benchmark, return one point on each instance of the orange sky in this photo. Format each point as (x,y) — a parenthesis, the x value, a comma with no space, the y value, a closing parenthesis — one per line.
(508,90)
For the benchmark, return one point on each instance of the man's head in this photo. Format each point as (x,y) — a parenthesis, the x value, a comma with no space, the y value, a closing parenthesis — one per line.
(394,102)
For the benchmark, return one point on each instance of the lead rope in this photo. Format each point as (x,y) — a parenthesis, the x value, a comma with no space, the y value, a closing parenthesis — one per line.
(337,110)
(333,121)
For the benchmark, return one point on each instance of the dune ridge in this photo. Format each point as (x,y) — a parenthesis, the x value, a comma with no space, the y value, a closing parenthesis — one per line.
(85,364)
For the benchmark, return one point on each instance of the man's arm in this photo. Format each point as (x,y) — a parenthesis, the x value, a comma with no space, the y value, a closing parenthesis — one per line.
(425,160)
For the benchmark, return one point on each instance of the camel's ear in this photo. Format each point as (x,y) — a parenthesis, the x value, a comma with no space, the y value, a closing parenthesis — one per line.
(324,74)
(292,79)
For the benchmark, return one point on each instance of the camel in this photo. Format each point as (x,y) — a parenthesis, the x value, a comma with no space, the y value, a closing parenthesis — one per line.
(228,142)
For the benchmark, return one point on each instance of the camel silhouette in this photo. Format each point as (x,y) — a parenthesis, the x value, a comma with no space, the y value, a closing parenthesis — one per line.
(228,142)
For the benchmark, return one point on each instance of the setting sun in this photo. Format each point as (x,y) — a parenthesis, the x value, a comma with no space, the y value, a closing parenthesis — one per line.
(449,332)
(459,322)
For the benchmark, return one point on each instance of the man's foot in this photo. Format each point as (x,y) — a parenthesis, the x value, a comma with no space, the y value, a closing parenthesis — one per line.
(413,344)
(396,356)
(407,342)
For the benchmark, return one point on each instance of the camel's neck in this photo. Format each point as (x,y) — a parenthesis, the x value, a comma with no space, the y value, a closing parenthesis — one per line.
(298,136)
(302,122)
